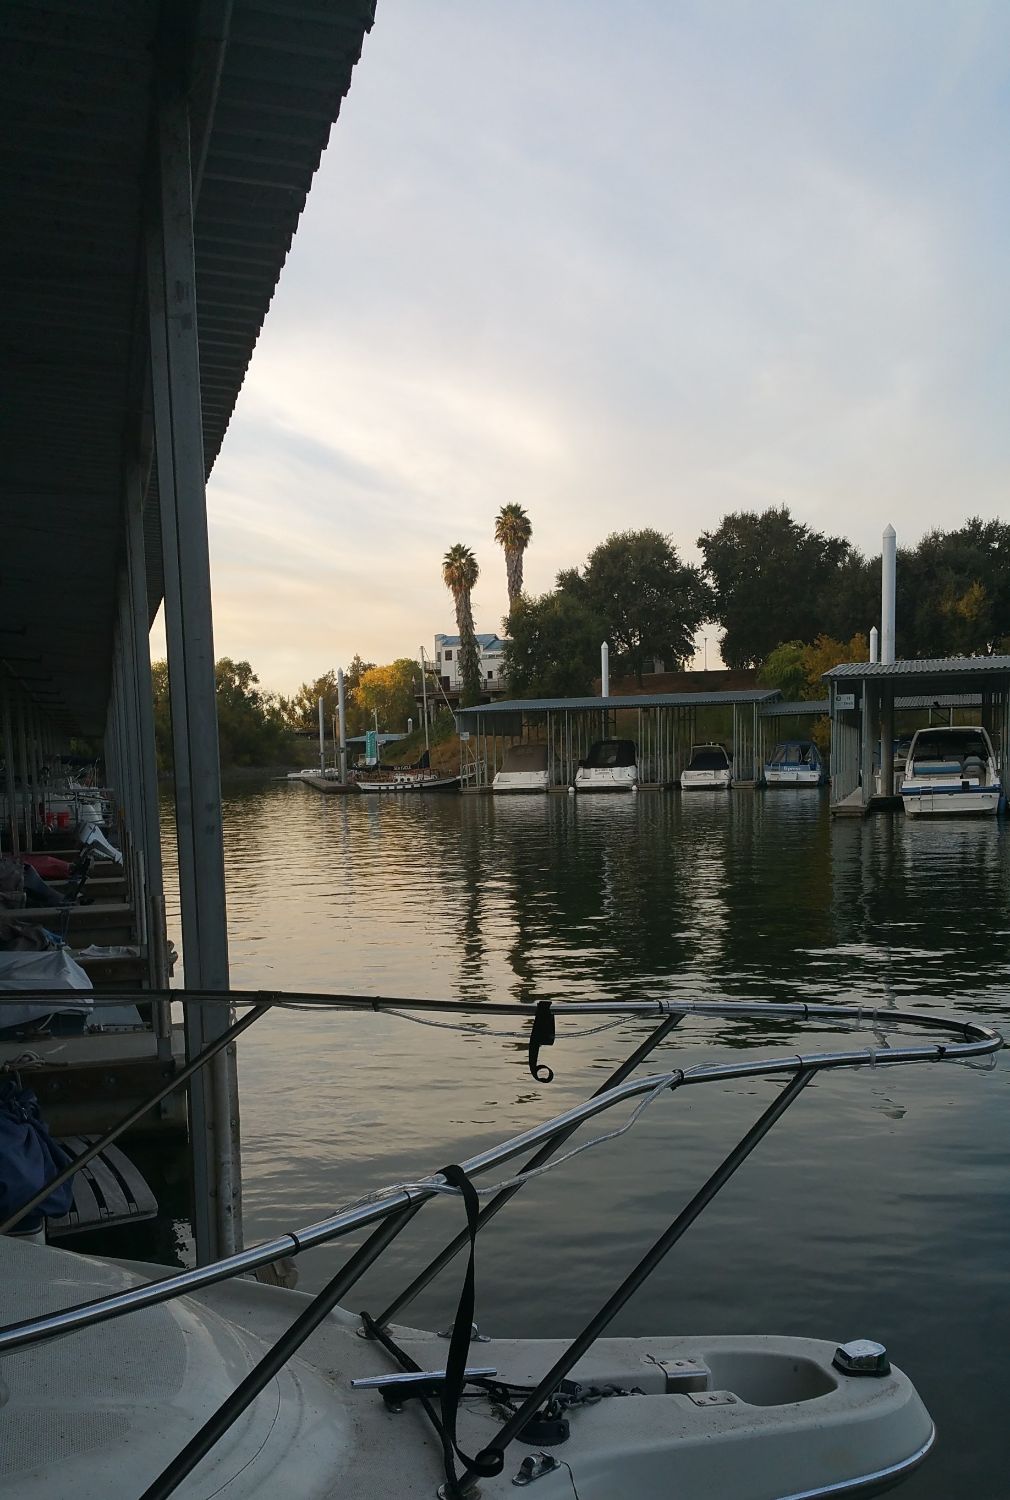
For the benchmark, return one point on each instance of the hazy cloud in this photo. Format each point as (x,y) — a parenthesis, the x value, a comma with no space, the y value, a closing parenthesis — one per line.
(629,265)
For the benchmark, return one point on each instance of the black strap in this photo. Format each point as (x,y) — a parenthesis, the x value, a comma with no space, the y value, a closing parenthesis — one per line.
(488,1463)
(542,1035)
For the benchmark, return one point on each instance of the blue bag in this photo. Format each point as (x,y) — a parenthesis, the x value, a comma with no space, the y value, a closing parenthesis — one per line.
(29,1157)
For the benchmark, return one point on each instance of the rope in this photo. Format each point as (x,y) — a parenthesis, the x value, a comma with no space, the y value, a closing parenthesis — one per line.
(478,1029)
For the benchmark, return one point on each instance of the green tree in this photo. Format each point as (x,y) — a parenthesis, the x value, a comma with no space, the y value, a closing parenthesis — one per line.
(512,531)
(954,592)
(772,577)
(389,692)
(162,714)
(250,723)
(796,668)
(554,647)
(785,668)
(460,571)
(649,603)
(302,710)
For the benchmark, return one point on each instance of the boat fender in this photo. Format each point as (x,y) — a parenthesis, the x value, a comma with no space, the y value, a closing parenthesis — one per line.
(542,1035)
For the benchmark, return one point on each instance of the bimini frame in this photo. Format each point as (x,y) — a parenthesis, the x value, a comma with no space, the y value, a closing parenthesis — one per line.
(390,1210)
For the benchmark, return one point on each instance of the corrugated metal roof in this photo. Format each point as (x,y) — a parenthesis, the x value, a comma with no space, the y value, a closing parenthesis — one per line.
(925,666)
(76,95)
(795,709)
(632,701)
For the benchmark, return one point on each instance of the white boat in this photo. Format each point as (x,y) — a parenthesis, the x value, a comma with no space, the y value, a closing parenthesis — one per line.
(708,768)
(100,1417)
(405,779)
(610,766)
(951,770)
(524,769)
(135,1381)
(795,763)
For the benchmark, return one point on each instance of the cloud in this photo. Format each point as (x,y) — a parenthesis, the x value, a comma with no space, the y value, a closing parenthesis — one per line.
(629,265)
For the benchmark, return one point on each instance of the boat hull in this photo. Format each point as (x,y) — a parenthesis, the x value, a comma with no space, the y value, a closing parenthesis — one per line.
(937,802)
(752,1418)
(705,781)
(411,784)
(792,776)
(519,783)
(606,779)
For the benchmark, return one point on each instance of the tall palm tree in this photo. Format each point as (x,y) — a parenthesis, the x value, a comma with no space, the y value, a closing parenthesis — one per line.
(460,571)
(512,532)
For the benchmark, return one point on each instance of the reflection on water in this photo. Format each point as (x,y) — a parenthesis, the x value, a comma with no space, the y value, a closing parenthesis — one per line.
(878,1205)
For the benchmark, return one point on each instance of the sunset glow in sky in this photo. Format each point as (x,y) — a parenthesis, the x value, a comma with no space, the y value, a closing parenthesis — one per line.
(630,265)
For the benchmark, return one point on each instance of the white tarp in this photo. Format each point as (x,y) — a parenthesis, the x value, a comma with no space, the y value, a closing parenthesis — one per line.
(52,970)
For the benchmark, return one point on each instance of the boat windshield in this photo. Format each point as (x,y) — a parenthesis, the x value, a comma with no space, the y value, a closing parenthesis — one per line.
(525,758)
(951,745)
(795,753)
(709,758)
(606,754)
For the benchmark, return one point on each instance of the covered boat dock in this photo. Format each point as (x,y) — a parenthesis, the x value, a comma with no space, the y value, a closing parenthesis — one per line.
(867,697)
(663,725)
(158,157)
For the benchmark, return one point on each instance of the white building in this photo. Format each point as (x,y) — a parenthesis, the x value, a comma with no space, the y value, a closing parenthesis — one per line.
(492,649)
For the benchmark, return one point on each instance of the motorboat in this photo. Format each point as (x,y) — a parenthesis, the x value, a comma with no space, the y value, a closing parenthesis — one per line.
(951,769)
(709,767)
(740,1417)
(610,766)
(795,763)
(523,769)
(202,1381)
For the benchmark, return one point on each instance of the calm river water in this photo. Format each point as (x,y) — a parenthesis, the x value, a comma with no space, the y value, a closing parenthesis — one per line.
(879,1206)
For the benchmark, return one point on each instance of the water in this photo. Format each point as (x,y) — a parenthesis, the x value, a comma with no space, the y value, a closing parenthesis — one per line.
(878,1206)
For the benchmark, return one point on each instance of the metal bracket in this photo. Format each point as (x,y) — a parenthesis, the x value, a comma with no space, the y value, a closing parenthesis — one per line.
(533,1467)
(712,1398)
(402,1385)
(476,1337)
(684,1376)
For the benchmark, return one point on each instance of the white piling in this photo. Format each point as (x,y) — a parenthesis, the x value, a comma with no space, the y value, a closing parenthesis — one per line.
(604,670)
(888,566)
(874,644)
(322,738)
(342,721)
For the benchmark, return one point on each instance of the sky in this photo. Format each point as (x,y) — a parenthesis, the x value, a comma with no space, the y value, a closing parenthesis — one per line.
(633,264)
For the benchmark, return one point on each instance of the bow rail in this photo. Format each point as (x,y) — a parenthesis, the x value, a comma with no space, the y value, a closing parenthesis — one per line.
(966,1040)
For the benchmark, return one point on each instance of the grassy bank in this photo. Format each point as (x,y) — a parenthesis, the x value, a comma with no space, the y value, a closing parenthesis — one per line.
(443,742)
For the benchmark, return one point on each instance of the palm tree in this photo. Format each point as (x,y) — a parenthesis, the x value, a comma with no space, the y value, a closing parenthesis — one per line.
(460,571)
(512,531)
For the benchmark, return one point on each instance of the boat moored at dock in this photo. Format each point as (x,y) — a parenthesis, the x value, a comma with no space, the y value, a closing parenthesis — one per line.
(610,766)
(795,763)
(523,769)
(951,770)
(405,779)
(709,769)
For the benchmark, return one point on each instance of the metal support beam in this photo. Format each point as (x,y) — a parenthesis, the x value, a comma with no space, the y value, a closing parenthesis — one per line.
(26,796)
(175,374)
(887,741)
(12,807)
(148,831)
